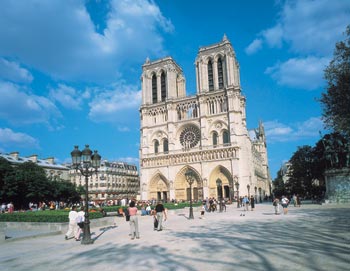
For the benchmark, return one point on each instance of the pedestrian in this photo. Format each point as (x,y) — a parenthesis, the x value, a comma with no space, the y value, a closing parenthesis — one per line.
(72,227)
(252,202)
(160,210)
(80,222)
(10,207)
(276,205)
(134,224)
(298,200)
(246,203)
(223,205)
(285,202)
(148,209)
(202,212)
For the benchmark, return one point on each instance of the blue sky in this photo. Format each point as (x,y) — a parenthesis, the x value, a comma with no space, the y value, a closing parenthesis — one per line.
(70,70)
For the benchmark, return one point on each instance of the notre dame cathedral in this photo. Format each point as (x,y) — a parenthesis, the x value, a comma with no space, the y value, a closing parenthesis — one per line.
(194,147)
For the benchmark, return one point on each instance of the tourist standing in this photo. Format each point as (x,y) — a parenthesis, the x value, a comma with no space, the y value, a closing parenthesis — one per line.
(285,203)
(276,205)
(134,224)
(80,222)
(252,203)
(72,227)
(246,203)
(160,210)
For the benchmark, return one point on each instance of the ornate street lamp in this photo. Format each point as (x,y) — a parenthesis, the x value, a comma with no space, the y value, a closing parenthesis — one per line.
(87,163)
(219,189)
(237,188)
(189,175)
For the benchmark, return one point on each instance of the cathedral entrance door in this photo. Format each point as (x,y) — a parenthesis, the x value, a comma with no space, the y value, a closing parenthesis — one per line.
(165,196)
(195,194)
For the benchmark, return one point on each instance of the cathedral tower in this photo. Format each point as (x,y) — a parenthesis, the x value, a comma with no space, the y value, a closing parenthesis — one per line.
(204,134)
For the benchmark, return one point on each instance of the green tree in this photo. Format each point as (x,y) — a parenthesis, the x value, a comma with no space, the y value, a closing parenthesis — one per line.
(64,191)
(28,184)
(336,100)
(6,174)
(300,173)
(278,184)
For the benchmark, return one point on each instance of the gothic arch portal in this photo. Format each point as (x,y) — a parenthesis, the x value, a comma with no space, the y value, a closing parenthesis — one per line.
(159,187)
(221,183)
(182,188)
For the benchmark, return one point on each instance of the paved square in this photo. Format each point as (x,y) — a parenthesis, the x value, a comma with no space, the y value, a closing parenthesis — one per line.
(312,237)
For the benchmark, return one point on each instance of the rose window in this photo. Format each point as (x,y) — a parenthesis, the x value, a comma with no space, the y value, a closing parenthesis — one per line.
(190,137)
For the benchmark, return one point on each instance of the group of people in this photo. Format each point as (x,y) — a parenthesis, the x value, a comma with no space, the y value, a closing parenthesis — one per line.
(159,215)
(284,202)
(76,223)
(76,220)
(7,208)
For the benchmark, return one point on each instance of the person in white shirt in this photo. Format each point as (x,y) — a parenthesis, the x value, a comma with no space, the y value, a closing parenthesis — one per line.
(284,203)
(80,222)
(73,226)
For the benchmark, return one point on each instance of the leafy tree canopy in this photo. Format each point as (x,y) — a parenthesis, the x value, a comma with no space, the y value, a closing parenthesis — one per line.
(336,100)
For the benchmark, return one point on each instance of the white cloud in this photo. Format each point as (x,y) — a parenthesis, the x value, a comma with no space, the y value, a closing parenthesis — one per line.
(305,73)
(116,105)
(72,49)
(67,96)
(254,47)
(123,129)
(12,71)
(279,132)
(19,106)
(310,29)
(10,138)
(131,160)
(274,36)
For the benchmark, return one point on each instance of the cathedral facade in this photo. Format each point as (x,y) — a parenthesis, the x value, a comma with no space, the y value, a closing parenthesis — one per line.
(194,147)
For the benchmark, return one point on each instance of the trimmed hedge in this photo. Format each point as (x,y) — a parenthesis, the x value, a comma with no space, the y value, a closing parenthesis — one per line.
(169,206)
(54,216)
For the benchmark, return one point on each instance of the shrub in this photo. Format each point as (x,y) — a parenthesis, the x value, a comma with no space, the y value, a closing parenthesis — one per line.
(56,216)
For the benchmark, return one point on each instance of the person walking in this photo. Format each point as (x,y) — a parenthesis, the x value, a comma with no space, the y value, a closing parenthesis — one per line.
(246,203)
(80,222)
(134,223)
(160,210)
(276,205)
(73,226)
(285,203)
(252,202)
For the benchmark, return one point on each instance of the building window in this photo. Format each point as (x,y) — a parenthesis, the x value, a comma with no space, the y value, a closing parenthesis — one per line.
(215,139)
(165,146)
(163,86)
(154,89)
(156,146)
(220,74)
(225,137)
(210,76)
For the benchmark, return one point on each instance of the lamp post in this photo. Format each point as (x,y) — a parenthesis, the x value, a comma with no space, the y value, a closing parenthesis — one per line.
(248,188)
(219,184)
(237,187)
(189,175)
(87,163)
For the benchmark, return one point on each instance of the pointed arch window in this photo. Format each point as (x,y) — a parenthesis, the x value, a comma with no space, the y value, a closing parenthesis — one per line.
(215,139)
(163,86)
(210,76)
(156,146)
(225,137)
(165,146)
(220,74)
(154,89)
